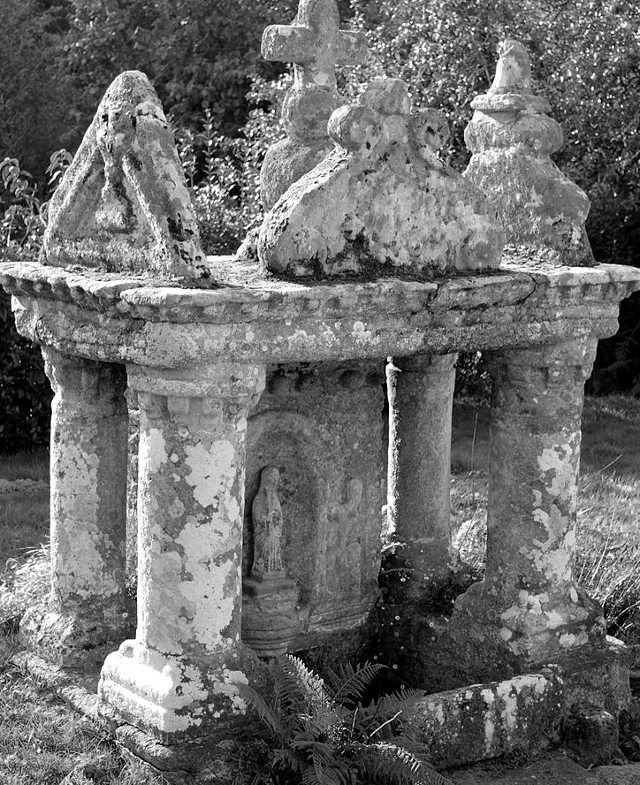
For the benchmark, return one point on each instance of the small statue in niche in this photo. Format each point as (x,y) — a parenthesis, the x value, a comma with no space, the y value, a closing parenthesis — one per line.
(266,513)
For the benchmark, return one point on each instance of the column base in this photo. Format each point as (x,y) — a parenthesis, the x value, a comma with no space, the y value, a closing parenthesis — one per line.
(535,630)
(69,641)
(172,698)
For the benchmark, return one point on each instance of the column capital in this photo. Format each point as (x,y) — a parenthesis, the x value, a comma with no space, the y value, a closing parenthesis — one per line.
(85,382)
(235,381)
(576,353)
(423,362)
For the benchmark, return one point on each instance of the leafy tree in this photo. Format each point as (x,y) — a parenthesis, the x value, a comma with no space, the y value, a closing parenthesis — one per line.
(200,54)
(586,57)
(33,97)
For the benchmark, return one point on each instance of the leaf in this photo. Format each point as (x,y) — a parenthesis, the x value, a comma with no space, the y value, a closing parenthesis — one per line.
(354,687)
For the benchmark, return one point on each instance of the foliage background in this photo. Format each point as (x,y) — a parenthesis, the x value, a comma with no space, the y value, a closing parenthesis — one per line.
(203,57)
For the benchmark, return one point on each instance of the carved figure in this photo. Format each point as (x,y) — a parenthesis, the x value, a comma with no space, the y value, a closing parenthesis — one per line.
(267,524)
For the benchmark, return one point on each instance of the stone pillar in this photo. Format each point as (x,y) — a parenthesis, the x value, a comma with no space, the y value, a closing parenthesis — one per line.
(178,677)
(88,465)
(420,392)
(528,602)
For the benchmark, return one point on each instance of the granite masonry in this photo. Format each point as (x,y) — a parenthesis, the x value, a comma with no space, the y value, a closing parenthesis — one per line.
(272,453)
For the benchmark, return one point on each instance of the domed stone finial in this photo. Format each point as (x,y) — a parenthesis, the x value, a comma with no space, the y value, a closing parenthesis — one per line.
(512,137)
(382,203)
(315,44)
(513,72)
(123,205)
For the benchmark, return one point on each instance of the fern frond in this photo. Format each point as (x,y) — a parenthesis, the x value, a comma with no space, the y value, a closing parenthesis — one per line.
(374,718)
(432,777)
(354,687)
(309,683)
(289,698)
(288,757)
(265,712)
(388,764)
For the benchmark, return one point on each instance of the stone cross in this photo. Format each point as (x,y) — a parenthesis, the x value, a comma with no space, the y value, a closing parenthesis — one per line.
(315,44)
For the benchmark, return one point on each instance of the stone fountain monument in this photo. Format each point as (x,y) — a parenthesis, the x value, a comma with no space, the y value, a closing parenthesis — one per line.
(264,462)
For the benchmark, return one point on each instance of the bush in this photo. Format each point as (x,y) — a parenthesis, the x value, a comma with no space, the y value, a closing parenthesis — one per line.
(585,58)
(24,390)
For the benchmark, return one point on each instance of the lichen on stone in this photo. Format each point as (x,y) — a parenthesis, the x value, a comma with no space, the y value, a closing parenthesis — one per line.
(511,138)
(382,202)
(315,44)
(123,204)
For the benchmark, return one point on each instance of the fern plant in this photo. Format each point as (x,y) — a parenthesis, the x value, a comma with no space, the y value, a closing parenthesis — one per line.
(325,734)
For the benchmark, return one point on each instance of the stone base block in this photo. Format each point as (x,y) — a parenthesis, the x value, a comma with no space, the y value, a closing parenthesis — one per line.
(597,676)
(173,699)
(488,720)
(189,762)
(68,641)
(536,630)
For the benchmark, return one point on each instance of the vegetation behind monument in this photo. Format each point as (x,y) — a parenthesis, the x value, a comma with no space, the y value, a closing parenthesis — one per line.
(203,58)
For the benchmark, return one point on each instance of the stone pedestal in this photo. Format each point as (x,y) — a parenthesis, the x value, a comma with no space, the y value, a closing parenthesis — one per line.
(420,392)
(270,616)
(528,604)
(179,676)
(87,605)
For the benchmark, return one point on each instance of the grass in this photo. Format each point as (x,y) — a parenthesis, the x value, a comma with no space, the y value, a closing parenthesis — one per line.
(24,513)
(33,465)
(42,741)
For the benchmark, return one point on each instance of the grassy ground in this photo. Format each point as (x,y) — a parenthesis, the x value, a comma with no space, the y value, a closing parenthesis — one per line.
(43,742)
(24,513)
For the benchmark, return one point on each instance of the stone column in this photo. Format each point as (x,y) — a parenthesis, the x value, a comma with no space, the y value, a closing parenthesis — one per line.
(178,677)
(420,392)
(528,602)
(88,465)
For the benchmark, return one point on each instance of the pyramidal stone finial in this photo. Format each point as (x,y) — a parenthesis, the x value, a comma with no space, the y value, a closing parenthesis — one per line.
(511,138)
(123,204)
(382,202)
(315,44)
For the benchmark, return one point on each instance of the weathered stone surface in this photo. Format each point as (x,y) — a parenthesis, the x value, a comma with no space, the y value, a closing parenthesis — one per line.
(487,720)
(618,775)
(420,394)
(382,202)
(511,137)
(123,204)
(529,600)
(281,322)
(553,769)
(179,676)
(87,607)
(322,426)
(316,45)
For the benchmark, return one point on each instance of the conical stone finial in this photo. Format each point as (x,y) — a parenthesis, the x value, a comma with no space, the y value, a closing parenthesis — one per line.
(123,205)
(382,203)
(315,44)
(512,137)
